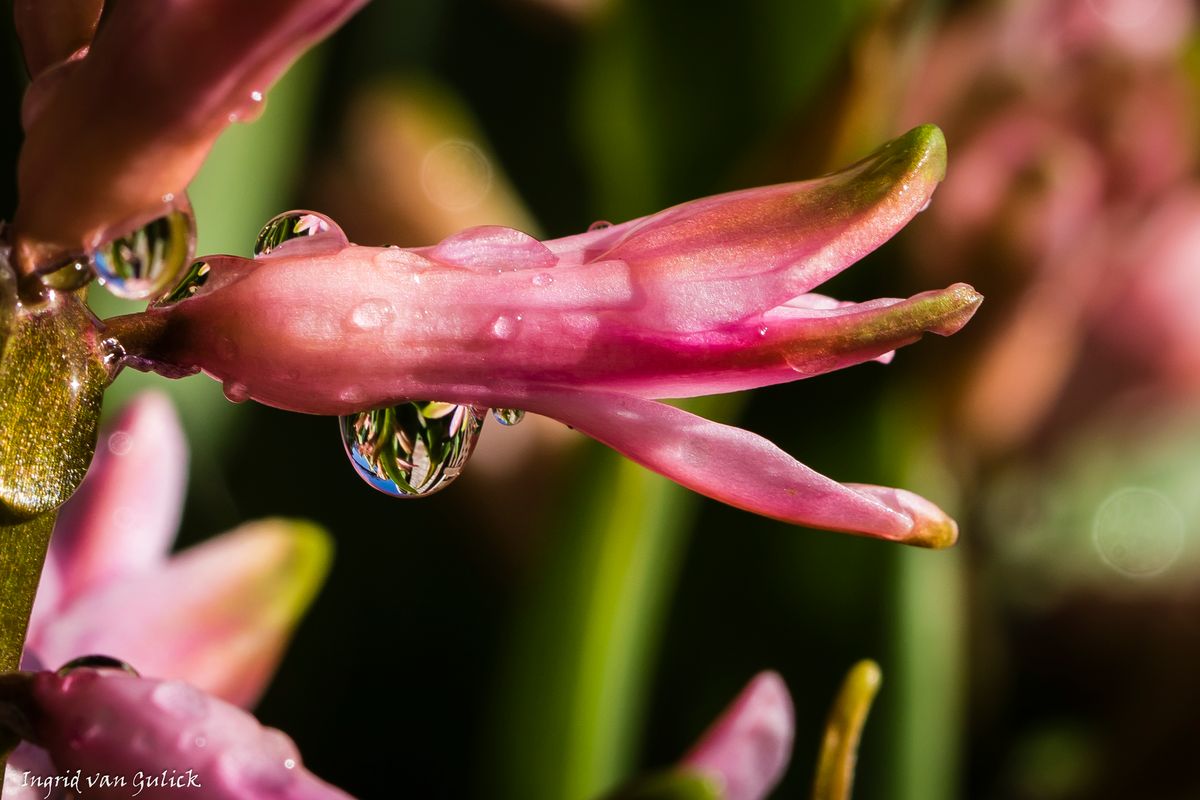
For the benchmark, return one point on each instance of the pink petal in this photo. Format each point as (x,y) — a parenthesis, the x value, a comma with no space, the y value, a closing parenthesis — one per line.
(109,722)
(52,31)
(27,766)
(748,748)
(217,615)
(124,516)
(160,81)
(744,470)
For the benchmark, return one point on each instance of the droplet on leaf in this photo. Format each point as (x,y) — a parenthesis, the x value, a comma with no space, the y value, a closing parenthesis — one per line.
(413,449)
(144,263)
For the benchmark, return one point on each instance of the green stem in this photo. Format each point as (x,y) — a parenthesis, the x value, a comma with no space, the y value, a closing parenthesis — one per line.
(22,552)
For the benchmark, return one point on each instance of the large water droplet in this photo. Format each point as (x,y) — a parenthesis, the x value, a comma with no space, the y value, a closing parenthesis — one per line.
(195,277)
(147,261)
(95,662)
(299,229)
(508,416)
(413,449)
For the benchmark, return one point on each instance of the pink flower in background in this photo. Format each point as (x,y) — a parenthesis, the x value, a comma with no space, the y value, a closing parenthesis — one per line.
(217,615)
(1074,141)
(747,749)
(710,296)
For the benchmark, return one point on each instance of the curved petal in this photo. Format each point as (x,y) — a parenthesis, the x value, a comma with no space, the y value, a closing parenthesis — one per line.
(124,515)
(159,83)
(743,469)
(748,748)
(27,767)
(112,723)
(51,31)
(217,615)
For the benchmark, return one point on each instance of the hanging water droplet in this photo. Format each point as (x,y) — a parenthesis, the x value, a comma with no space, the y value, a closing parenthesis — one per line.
(508,416)
(195,277)
(70,278)
(235,392)
(413,449)
(599,225)
(147,261)
(291,226)
(95,662)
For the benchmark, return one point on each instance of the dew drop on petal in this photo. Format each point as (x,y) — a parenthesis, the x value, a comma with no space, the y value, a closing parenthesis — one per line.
(543,279)
(144,263)
(371,315)
(508,416)
(195,277)
(296,229)
(94,662)
(73,276)
(264,767)
(504,328)
(599,225)
(412,449)
(180,700)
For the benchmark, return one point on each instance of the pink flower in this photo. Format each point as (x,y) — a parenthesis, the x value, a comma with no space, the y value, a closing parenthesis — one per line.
(153,90)
(747,749)
(706,297)
(217,615)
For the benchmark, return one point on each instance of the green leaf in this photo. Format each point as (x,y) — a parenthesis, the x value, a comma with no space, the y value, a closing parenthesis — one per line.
(51,384)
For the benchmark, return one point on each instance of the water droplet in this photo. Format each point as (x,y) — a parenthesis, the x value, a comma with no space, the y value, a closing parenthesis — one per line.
(1138,531)
(413,449)
(195,277)
(235,392)
(926,205)
(180,700)
(504,328)
(147,261)
(70,278)
(95,662)
(372,314)
(292,228)
(120,443)
(508,416)
(762,330)
(599,225)
(266,766)
(543,279)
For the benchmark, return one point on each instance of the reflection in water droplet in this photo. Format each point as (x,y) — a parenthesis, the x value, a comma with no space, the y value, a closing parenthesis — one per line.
(147,261)
(1138,531)
(413,449)
(599,225)
(508,416)
(94,662)
(70,278)
(195,277)
(296,225)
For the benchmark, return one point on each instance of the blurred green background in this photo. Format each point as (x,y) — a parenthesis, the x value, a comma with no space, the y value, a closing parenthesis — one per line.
(560,620)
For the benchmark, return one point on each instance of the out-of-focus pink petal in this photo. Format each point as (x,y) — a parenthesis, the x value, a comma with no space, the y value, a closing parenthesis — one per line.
(110,722)
(27,766)
(52,31)
(743,469)
(217,615)
(124,516)
(159,83)
(748,748)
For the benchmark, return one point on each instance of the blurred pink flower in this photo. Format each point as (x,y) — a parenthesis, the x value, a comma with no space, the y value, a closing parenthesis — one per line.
(747,749)
(217,615)
(1073,129)
(706,297)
